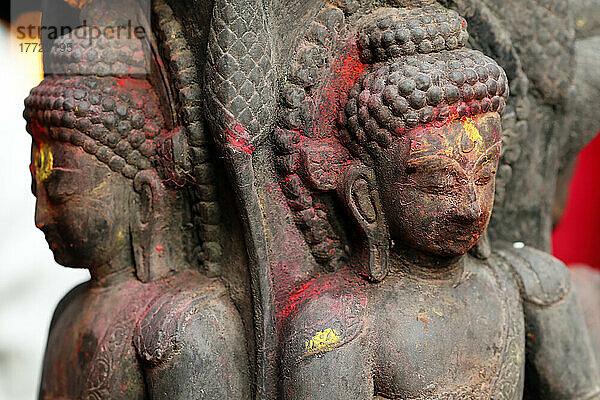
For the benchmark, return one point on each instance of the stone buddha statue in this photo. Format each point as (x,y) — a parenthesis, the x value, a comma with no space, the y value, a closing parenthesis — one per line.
(119,191)
(417,305)
(362,142)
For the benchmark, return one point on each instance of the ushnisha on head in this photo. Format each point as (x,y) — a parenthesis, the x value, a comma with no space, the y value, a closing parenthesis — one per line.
(389,33)
(414,81)
(107,166)
(425,124)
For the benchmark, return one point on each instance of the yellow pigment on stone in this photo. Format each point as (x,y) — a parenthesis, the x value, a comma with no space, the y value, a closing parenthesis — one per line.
(322,341)
(44,162)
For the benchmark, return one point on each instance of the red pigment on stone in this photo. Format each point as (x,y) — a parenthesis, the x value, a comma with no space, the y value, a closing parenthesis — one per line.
(346,71)
(315,287)
(133,83)
(237,137)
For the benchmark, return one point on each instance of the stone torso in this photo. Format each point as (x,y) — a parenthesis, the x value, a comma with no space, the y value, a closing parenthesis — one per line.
(91,353)
(414,338)
(447,338)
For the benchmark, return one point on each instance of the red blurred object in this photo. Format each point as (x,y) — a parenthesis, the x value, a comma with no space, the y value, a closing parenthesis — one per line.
(576,238)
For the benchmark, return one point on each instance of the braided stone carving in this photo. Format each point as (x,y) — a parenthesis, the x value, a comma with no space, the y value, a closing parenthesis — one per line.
(186,85)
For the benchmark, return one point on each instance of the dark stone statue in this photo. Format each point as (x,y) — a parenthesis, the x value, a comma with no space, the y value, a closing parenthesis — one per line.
(414,164)
(282,199)
(120,191)
(549,53)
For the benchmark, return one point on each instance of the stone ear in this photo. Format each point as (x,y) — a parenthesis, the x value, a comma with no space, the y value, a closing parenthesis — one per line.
(361,195)
(145,222)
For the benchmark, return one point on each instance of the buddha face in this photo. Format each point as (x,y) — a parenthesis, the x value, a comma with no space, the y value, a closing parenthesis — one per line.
(437,184)
(81,205)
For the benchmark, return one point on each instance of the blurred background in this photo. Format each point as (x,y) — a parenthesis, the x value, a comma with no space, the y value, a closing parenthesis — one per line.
(31,283)
(577,232)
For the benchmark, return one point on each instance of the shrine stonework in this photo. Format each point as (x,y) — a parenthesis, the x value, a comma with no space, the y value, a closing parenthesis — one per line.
(315,200)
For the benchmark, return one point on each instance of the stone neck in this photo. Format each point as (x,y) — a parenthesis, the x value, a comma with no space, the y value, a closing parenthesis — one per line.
(111,274)
(122,267)
(413,262)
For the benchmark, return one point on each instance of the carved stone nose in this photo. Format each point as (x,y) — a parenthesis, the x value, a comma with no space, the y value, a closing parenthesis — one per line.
(41,217)
(473,210)
(469,208)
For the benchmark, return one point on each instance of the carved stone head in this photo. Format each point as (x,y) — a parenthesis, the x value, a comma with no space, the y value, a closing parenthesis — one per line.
(113,173)
(415,145)
(99,177)
(428,128)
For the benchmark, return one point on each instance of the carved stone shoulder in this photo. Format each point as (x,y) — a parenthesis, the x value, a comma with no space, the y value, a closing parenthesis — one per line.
(543,279)
(323,315)
(161,331)
(66,301)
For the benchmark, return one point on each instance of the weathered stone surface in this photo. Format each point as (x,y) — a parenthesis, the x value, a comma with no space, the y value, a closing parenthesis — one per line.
(299,193)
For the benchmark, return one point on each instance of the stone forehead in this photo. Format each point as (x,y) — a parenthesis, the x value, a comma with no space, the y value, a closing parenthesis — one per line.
(460,139)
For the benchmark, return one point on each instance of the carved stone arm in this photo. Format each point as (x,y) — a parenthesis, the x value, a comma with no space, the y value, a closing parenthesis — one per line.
(559,363)
(193,347)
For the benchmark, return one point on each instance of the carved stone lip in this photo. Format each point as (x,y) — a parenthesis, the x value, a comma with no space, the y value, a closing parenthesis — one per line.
(463,230)
(465,238)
